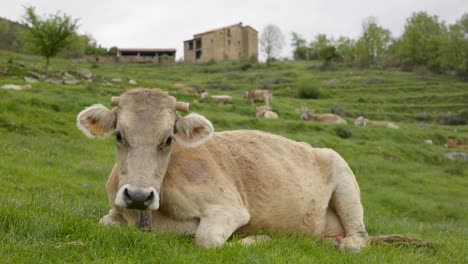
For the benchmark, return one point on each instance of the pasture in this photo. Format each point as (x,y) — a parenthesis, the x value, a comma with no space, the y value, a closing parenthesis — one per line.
(52,177)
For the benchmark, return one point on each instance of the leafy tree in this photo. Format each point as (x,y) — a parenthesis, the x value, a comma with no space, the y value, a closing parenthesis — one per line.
(373,45)
(455,47)
(346,49)
(422,40)
(271,41)
(301,51)
(4,27)
(323,48)
(48,36)
(321,41)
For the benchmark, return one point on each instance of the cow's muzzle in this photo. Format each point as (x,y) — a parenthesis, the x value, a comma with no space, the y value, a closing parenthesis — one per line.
(140,198)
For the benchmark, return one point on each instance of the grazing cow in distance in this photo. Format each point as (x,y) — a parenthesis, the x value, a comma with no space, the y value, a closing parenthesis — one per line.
(192,90)
(175,174)
(362,121)
(265,112)
(453,143)
(308,115)
(220,99)
(255,96)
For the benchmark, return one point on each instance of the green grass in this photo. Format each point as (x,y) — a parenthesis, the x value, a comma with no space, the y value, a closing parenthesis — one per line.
(52,177)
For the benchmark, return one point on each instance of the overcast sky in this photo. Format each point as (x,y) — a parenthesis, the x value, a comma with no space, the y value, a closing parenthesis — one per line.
(166,24)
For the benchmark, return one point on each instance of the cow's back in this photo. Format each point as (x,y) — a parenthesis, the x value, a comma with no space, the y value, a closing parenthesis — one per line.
(267,171)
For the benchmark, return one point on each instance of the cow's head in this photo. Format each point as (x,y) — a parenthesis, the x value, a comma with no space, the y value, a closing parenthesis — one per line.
(146,126)
(305,112)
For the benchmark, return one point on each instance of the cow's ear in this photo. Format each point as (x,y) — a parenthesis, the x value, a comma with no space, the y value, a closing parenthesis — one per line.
(96,121)
(193,130)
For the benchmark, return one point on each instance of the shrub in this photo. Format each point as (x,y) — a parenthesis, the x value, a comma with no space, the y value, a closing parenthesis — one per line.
(423,117)
(451,119)
(307,89)
(344,132)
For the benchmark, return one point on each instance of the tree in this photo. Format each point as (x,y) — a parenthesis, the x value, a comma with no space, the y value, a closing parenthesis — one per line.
(373,45)
(48,36)
(301,51)
(271,41)
(455,47)
(422,40)
(323,48)
(346,49)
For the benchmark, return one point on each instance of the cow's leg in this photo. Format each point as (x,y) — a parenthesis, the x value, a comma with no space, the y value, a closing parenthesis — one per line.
(112,218)
(163,223)
(347,202)
(218,225)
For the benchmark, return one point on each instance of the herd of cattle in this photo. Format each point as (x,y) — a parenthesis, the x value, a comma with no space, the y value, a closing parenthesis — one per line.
(265,111)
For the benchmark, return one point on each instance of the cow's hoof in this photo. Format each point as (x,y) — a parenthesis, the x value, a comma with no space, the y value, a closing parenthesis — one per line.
(251,240)
(111,219)
(352,244)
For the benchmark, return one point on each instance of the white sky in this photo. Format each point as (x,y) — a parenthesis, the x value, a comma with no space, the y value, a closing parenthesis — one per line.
(166,24)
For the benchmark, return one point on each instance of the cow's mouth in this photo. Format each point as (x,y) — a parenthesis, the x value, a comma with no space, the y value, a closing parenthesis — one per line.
(144,220)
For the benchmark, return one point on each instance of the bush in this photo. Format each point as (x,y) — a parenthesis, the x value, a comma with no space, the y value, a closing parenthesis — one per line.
(307,89)
(452,119)
(423,117)
(344,132)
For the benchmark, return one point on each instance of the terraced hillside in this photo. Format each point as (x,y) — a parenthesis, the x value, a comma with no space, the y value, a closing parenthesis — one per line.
(53,178)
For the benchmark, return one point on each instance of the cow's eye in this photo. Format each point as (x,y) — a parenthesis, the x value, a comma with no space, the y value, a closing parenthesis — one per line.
(169,141)
(118,136)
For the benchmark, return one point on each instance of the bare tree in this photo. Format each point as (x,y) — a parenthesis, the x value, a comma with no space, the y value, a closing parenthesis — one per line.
(271,41)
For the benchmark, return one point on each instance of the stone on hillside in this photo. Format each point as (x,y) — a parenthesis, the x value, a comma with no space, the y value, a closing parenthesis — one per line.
(37,75)
(86,74)
(68,76)
(116,80)
(456,155)
(72,82)
(54,81)
(133,82)
(16,87)
(332,82)
(30,80)
(428,141)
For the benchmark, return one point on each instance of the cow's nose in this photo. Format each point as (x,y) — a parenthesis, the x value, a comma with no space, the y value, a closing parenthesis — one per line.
(138,199)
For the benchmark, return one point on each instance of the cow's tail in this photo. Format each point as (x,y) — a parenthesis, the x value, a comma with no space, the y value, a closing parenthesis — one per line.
(400,241)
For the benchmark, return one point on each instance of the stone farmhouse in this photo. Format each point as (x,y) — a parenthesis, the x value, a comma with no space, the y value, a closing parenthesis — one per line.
(146,55)
(234,42)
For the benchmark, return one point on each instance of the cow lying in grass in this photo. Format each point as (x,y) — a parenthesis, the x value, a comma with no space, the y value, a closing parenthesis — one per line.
(265,112)
(308,115)
(174,174)
(361,121)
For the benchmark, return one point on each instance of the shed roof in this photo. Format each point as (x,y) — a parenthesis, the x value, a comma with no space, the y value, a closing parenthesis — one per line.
(145,50)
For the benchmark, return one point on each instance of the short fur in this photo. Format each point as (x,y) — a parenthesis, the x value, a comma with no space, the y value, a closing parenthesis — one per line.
(265,112)
(239,181)
(255,96)
(361,121)
(308,115)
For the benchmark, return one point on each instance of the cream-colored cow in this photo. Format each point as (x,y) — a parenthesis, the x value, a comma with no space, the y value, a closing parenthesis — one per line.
(266,112)
(361,121)
(308,115)
(255,96)
(191,180)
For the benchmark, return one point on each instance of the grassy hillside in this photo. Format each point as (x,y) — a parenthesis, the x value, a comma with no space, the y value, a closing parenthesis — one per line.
(52,177)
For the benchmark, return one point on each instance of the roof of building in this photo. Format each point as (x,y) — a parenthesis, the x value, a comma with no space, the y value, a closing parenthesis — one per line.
(145,50)
(217,29)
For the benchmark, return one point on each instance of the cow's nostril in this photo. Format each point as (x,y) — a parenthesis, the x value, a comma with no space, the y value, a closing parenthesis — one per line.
(149,200)
(127,195)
